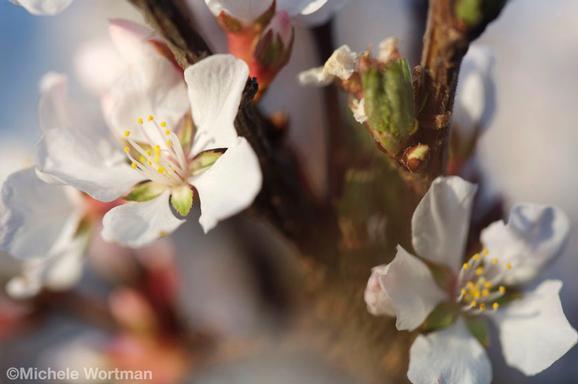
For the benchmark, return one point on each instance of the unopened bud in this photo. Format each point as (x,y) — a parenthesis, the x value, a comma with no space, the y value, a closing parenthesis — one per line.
(389,102)
(238,16)
(415,157)
(273,50)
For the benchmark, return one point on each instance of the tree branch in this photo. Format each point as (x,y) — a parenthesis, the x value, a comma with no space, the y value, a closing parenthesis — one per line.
(446,42)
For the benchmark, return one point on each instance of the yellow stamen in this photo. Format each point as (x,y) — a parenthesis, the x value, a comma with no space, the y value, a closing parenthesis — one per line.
(486,293)
(487,284)
(133,165)
(479,271)
(142,159)
(170,143)
(494,261)
(167,132)
(485,252)
(495,306)
(139,121)
(150,117)
(508,266)
(161,170)
(163,124)
(126,149)
(476,257)
(126,133)
(482,307)
(502,289)
(466,266)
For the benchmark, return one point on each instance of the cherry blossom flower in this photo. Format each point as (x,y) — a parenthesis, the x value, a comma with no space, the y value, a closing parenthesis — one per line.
(43,7)
(533,329)
(42,225)
(151,158)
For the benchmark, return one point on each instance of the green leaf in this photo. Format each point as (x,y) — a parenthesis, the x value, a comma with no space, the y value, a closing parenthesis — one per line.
(145,191)
(442,316)
(478,326)
(182,199)
(204,160)
(389,104)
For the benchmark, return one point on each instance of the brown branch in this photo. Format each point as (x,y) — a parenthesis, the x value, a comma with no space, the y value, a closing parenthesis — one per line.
(446,41)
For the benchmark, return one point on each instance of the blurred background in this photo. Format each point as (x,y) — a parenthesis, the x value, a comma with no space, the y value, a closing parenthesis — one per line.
(528,153)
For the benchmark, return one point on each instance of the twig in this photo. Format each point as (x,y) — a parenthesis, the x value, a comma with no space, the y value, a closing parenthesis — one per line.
(446,42)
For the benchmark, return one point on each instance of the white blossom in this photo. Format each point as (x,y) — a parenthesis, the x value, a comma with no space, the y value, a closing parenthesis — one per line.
(40,225)
(534,331)
(247,11)
(144,157)
(43,7)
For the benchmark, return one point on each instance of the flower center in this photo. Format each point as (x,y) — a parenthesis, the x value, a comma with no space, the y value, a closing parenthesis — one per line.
(156,152)
(478,287)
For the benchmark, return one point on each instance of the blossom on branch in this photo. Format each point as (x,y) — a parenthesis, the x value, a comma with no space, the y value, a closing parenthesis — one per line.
(455,299)
(164,150)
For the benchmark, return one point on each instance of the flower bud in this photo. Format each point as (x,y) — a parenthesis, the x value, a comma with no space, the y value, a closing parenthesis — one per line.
(389,102)
(236,16)
(376,297)
(273,50)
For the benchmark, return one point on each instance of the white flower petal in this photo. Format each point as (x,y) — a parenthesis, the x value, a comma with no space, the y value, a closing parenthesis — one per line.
(475,96)
(137,224)
(316,76)
(37,218)
(449,356)
(98,64)
(245,11)
(151,84)
(413,292)
(230,185)
(534,331)
(43,7)
(215,87)
(311,12)
(358,109)
(441,220)
(56,272)
(342,63)
(76,153)
(376,297)
(534,236)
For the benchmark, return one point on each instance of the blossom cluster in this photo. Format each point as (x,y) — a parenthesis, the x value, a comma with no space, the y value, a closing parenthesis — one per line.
(165,141)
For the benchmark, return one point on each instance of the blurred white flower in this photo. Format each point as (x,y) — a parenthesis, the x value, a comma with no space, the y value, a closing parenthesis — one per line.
(249,11)
(476,95)
(41,225)
(158,168)
(534,331)
(43,7)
